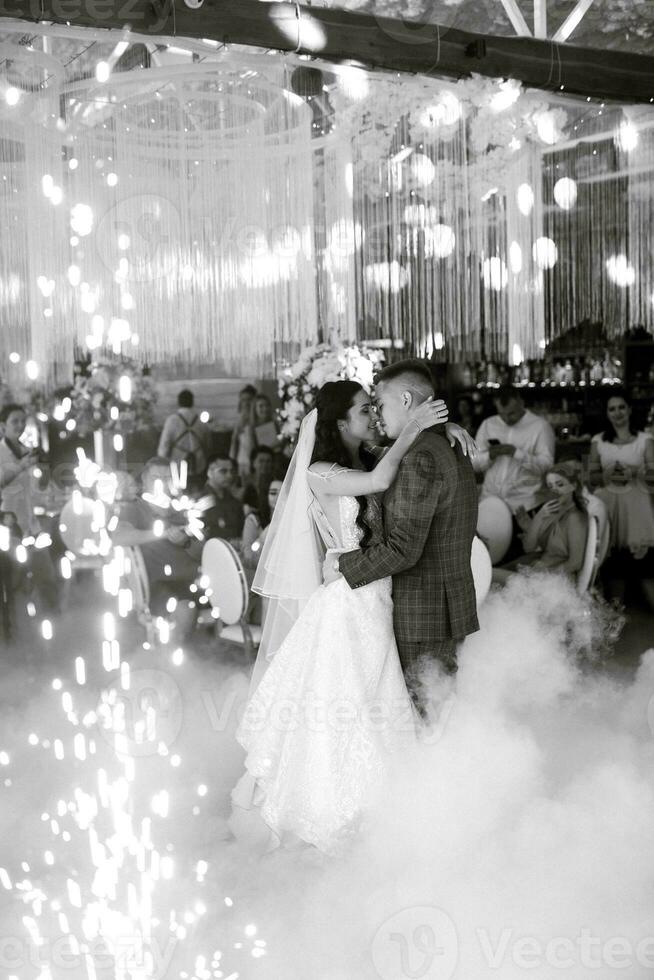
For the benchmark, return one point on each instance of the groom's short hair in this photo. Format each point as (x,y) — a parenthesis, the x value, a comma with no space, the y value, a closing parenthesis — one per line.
(416,374)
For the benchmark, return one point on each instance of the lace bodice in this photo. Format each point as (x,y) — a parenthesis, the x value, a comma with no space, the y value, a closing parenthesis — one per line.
(350,534)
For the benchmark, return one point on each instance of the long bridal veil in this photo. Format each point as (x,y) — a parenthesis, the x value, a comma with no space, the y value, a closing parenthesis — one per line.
(290,566)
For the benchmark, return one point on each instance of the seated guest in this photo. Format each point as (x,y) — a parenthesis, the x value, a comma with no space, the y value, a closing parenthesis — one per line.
(622,470)
(171,567)
(242,442)
(185,437)
(224,517)
(515,450)
(262,467)
(465,414)
(254,532)
(254,536)
(17,478)
(555,537)
(265,428)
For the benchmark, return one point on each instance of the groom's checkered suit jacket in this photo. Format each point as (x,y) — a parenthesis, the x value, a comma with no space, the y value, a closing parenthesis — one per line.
(430,516)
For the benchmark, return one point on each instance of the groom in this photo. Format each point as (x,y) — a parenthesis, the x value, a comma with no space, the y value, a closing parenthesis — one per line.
(430,517)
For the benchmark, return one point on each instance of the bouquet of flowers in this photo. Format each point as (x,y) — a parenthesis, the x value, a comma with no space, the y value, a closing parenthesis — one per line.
(299,383)
(116,395)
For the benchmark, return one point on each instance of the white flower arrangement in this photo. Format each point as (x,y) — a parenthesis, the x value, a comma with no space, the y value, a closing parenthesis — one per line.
(299,383)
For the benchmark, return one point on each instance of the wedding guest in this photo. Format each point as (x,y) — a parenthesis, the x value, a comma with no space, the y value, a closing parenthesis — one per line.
(465,414)
(649,425)
(554,539)
(263,463)
(254,536)
(255,531)
(224,517)
(622,469)
(243,442)
(17,479)
(17,463)
(170,566)
(186,437)
(265,428)
(515,450)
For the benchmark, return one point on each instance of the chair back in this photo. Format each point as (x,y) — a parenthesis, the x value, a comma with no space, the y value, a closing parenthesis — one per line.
(495,526)
(137,578)
(588,571)
(224,570)
(76,526)
(597,508)
(482,569)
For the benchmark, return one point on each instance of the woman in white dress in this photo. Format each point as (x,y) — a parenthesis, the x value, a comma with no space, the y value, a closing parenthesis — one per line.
(328,698)
(622,467)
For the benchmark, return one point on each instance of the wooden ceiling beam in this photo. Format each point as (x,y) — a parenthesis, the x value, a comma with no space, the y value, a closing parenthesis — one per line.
(378,42)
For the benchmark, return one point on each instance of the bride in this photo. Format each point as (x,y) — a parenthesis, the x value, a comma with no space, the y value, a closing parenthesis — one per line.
(328,702)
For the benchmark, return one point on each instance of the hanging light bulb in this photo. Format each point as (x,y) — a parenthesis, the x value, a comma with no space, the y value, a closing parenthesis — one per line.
(525,198)
(439,241)
(565,193)
(515,258)
(620,270)
(545,253)
(627,136)
(102,71)
(422,169)
(494,273)
(547,126)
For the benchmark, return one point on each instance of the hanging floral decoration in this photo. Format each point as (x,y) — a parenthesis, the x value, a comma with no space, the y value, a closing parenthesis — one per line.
(299,383)
(116,395)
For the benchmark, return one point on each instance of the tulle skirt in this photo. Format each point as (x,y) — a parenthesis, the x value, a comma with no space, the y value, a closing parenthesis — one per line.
(324,721)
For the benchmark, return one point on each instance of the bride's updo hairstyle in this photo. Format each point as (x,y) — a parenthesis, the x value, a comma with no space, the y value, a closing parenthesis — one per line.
(333,402)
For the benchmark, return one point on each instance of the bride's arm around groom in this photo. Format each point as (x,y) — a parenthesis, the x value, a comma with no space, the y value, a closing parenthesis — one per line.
(430,516)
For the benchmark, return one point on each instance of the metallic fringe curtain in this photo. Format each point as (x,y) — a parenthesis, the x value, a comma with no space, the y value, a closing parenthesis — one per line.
(211,212)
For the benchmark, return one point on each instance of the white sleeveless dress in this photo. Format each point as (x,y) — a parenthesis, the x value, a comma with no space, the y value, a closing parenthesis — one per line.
(327,713)
(630,506)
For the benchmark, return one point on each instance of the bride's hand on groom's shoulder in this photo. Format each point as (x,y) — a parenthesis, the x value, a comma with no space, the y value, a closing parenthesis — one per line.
(457,434)
(434,411)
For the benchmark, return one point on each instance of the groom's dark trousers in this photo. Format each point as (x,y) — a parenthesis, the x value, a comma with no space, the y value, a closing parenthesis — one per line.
(430,517)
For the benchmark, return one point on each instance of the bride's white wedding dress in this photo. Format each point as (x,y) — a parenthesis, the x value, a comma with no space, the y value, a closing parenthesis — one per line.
(327,713)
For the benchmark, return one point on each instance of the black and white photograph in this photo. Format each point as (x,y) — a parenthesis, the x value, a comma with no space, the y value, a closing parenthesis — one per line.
(326,490)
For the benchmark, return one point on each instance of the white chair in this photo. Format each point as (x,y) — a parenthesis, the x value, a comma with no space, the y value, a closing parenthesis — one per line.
(229,594)
(76,526)
(495,527)
(136,579)
(597,508)
(482,569)
(588,571)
